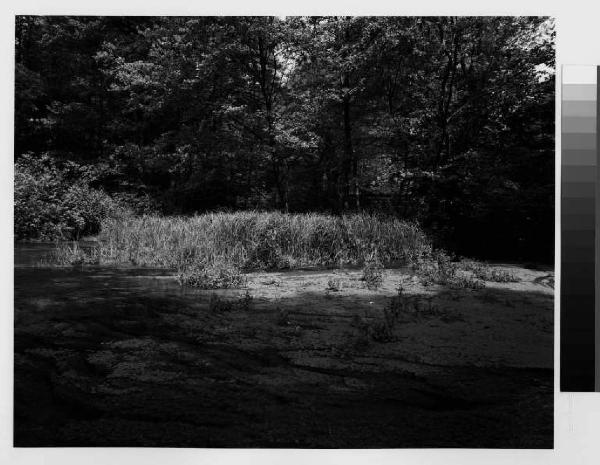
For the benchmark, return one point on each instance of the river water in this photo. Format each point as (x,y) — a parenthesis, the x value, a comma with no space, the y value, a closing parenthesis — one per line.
(35,277)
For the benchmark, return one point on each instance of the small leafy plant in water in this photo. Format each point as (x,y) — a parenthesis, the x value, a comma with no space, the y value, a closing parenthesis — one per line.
(373,273)
(75,255)
(381,329)
(217,304)
(440,269)
(217,275)
(283,317)
(488,273)
(334,284)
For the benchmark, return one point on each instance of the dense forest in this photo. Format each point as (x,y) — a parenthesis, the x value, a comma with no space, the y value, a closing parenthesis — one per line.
(448,121)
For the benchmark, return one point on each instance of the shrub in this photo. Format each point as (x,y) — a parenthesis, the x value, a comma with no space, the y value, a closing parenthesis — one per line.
(53,202)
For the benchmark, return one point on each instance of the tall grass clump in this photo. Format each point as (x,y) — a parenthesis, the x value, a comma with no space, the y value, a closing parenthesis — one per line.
(249,240)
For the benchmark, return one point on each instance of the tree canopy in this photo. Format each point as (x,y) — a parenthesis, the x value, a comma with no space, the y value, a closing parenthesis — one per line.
(445,120)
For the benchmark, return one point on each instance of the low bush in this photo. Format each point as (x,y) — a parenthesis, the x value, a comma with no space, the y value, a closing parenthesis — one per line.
(56,202)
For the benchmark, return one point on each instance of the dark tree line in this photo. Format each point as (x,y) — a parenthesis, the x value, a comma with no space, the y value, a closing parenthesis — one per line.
(446,120)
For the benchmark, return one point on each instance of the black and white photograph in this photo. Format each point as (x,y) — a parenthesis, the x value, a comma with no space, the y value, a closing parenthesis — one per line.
(330,232)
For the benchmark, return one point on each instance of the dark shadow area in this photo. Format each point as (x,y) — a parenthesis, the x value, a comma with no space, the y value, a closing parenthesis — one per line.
(114,358)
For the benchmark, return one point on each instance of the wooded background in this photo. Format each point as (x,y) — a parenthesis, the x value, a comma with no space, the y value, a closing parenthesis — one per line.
(445,120)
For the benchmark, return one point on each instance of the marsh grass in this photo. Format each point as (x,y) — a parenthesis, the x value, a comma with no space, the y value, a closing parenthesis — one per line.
(74,254)
(215,249)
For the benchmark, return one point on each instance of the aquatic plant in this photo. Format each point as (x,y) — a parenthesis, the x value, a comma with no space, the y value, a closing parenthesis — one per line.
(334,284)
(439,268)
(283,317)
(373,272)
(217,304)
(488,273)
(251,240)
(216,275)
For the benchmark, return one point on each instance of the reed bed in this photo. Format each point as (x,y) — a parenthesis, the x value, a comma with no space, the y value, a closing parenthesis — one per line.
(250,241)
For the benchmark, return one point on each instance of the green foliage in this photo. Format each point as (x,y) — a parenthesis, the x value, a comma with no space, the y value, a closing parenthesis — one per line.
(447,121)
(75,255)
(216,246)
(53,202)
(488,273)
(373,273)
(216,275)
(439,268)
(334,284)
(381,328)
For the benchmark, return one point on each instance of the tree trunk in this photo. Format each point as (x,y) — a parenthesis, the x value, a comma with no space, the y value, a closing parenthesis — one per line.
(349,165)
